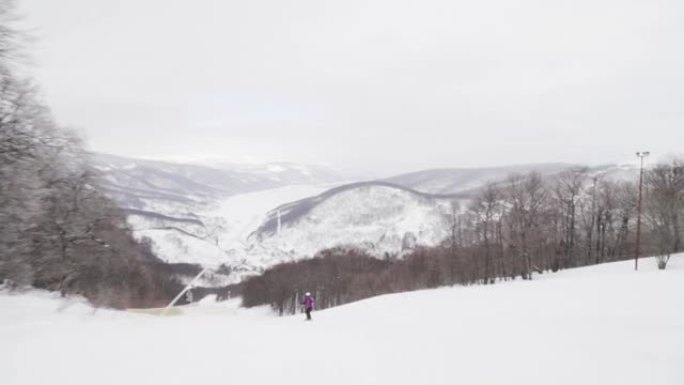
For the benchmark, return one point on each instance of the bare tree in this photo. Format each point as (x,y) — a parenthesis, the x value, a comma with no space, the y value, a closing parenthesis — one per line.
(486,212)
(568,191)
(665,208)
(25,130)
(454,220)
(526,196)
(59,231)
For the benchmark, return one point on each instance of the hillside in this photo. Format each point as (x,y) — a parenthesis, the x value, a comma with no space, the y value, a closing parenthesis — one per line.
(198,213)
(464,181)
(133,176)
(227,214)
(604,324)
(379,217)
(459,180)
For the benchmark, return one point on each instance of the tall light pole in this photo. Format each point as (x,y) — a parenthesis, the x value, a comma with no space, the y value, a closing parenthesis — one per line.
(641,156)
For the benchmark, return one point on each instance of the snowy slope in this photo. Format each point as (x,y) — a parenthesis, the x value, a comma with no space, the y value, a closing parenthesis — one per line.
(141,176)
(226,214)
(381,218)
(466,180)
(199,214)
(459,180)
(227,223)
(599,325)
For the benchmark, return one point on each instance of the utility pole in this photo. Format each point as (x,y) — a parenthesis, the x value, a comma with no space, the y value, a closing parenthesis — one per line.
(641,156)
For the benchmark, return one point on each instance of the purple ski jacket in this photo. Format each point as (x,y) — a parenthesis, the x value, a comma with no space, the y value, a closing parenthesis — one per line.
(308,302)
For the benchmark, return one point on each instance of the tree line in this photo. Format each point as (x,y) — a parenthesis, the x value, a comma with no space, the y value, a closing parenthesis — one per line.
(524,225)
(59,231)
(575,218)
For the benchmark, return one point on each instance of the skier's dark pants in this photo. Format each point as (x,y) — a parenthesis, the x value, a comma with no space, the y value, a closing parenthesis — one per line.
(308,313)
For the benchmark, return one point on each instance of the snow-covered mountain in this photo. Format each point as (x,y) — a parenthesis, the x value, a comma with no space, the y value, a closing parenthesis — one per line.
(198,214)
(464,181)
(249,217)
(615,173)
(379,217)
(459,180)
(156,179)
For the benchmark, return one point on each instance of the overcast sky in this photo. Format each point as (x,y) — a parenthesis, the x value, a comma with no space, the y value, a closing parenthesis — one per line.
(386,85)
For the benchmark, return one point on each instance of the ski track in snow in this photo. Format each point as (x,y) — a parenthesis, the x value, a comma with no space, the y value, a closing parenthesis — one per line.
(597,325)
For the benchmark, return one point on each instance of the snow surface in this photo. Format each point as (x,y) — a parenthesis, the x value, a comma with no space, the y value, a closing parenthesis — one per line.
(207,215)
(382,220)
(459,180)
(199,214)
(599,325)
(467,180)
(375,218)
(227,223)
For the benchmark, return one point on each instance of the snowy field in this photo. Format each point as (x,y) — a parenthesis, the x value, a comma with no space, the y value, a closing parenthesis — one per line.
(599,325)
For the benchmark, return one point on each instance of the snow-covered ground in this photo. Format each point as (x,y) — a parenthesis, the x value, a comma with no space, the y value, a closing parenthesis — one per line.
(226,225)
(246,211)
(598,325)
(380,219)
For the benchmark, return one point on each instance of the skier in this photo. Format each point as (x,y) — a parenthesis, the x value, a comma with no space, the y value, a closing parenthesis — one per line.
(308,305)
